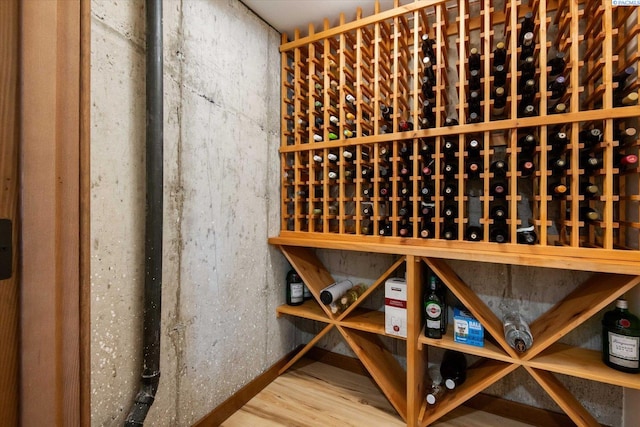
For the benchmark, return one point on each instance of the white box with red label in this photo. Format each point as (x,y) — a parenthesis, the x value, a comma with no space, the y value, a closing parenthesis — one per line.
(395,307)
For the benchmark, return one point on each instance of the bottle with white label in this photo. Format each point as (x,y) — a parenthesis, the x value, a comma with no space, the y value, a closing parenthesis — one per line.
(335,291)
(433,309)
(295,288)
(621,338)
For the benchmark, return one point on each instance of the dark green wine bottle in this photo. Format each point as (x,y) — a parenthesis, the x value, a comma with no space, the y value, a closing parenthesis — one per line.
(621,339)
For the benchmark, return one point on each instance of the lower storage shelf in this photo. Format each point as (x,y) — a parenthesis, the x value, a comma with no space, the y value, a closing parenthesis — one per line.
(406,389)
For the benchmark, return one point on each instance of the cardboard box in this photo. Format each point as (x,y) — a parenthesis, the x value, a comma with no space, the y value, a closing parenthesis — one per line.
(466,328)
(395,307)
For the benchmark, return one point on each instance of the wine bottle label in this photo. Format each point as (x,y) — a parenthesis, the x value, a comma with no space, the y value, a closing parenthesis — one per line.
(624,350)
(297,292)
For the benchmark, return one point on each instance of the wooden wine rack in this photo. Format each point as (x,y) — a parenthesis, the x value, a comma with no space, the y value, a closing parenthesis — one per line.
(336,86)
(377,60)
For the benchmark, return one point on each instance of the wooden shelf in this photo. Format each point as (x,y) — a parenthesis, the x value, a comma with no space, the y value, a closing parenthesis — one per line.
(583,363)
(308,310)
(490,350)
(550,257)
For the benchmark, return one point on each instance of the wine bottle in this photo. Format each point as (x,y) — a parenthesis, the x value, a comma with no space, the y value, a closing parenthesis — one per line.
(527,26)
(474,80)
(527,144)
(406,210)
(335,291)
(386,111)
(498,189)
(526,236)
(474,167)
(588,214)
(557,166)
(625,101)
(426,229)
(588,190)
(367,209)
(621,338)
(352,295)
(499,232)
(449,169)
(499,168)
(474,146)
(591,165)
(428,45)
(474,59)
(624,161)
(557,65)
(624,135)
(526,167)
(528,46)
(404,171)
(427,89)
(450,211)
(528,69)
(453,368)
(558,190)
(498,212)
(427,168)
(517,332)
(558,142)
(426,210)
(499,54)
(450,148)
(450,231)
(385,228)
(433,308)
(528,92)
(435,393)
(428,68)
(450,190)
(406,150)
(499,76)
(559,108)
(620,79)
(450,121)
(474,233)
(557,88)
(499,102)
(295,288)
(590,138)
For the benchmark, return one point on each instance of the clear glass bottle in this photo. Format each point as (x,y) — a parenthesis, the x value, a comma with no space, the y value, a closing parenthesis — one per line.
(621,338)
(517,332)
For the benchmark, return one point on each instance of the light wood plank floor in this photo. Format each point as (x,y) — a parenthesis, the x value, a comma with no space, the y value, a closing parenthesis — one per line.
(314,394)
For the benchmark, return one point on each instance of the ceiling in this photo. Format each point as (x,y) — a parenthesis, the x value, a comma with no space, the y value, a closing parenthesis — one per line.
(287,15)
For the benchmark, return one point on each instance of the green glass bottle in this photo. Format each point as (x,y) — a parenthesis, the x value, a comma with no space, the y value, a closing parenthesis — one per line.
(621,338)
(433,309)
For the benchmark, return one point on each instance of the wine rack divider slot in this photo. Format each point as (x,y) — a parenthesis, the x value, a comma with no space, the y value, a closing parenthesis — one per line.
(480,375)
(383,367)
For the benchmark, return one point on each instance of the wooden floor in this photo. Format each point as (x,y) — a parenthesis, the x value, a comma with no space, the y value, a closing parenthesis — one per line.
(314,394)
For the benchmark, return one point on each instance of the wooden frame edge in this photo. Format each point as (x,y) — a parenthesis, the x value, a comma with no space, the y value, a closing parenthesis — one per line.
(85,213)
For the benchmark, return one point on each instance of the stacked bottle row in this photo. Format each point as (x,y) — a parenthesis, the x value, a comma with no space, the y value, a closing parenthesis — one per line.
(380,79)
(375,79)
(548,182)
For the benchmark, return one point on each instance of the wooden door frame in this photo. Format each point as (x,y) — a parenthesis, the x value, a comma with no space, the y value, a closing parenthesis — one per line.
(54,164)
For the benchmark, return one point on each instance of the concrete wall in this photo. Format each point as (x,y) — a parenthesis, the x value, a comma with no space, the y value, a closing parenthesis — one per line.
(221,280)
